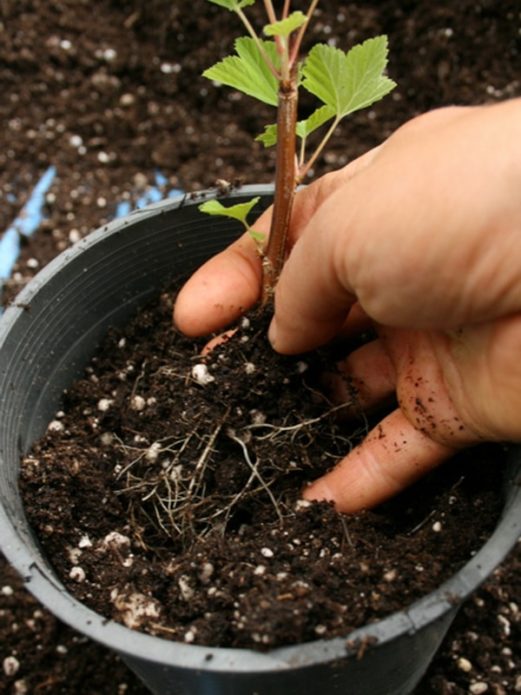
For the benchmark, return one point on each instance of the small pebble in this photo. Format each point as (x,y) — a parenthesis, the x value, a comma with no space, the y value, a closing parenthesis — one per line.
(184,585)
(300,505)
(127,99)
(77,574)
(138,403)
(109,54)
(20,687)
(153,451)
(189,636)
(206,572)
(116,539)
(266,552)
(7,590)
(257,417)
(104,404)
(55,426)
(169,68)
(478,688)
(75,141)
(464,665)
(10,666)
(505,625)
(106,438)
(436,527)
(201,374)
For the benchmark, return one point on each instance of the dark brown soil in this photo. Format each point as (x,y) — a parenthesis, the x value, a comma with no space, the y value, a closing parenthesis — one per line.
(200,534)
(440,54)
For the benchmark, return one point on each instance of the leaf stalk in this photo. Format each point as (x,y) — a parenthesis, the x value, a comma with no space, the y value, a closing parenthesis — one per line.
(251,31)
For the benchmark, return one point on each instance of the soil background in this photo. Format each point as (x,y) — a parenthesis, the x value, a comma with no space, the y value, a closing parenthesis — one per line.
(108,91)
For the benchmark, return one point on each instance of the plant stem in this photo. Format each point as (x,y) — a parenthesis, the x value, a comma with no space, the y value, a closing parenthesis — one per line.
(285,181)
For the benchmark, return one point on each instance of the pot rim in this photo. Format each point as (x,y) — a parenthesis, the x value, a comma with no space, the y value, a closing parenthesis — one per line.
(47,588)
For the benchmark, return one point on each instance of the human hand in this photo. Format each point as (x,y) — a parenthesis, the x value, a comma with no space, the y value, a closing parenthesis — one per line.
(422,237)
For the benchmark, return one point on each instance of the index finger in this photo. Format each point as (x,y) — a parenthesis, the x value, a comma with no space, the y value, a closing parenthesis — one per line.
(222,289)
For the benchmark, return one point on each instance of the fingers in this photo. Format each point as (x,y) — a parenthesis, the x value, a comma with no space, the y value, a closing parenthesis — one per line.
(390,458)
(357,322)
(366,376)
(220,291)
(229,284)
(388,236)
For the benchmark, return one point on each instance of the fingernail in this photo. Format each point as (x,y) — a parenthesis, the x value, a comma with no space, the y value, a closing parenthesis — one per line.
(272,334)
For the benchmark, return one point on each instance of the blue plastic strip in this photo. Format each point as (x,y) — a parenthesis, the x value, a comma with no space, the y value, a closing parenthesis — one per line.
(9,250)
(31,216)
(123,208)
(27,222)
(153,194)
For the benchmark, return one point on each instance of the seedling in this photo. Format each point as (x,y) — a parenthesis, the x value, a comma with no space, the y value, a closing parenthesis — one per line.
(272,70)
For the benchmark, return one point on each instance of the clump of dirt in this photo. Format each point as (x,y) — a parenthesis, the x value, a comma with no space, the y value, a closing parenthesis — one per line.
(166,493)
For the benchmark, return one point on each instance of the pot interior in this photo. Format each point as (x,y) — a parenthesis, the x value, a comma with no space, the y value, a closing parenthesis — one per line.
(54,327)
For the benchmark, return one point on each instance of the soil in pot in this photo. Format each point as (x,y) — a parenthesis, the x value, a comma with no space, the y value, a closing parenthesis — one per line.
(166,493)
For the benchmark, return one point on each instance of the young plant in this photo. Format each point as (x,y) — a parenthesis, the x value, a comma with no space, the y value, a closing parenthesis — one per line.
(272,70)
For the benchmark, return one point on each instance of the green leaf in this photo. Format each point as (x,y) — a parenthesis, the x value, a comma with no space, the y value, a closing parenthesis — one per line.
(233,5)
(258,237)
(269,136)
(247,71)
(317,119)
(304,128)
(286,26)
(236,212)
(347,82)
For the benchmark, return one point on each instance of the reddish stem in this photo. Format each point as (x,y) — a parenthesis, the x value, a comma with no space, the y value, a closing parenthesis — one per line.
(285,179)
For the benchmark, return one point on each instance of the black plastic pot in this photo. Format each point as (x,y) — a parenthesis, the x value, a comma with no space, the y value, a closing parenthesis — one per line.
(46,339)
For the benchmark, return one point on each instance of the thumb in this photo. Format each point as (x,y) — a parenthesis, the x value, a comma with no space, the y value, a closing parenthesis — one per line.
(313,295)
